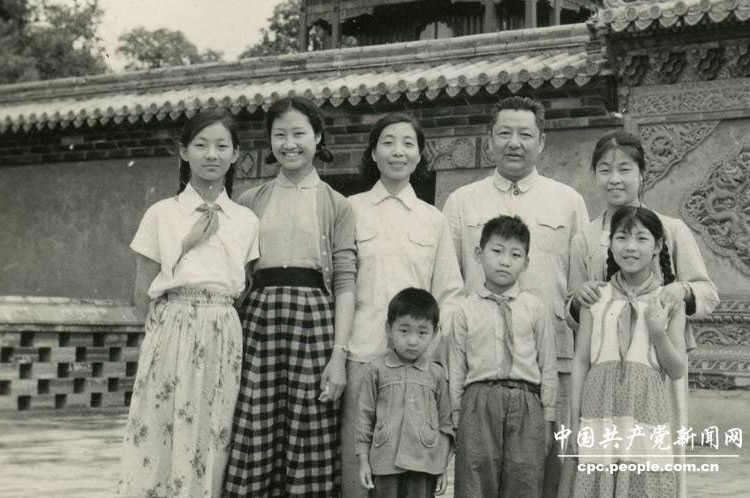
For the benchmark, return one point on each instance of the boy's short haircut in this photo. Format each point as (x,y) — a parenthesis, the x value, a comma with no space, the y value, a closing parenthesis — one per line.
(507,227)
(416,303)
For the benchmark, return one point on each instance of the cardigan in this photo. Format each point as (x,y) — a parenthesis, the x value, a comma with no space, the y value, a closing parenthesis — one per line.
(336,222)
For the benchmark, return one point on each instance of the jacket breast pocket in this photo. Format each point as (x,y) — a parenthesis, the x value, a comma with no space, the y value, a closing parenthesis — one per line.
(365,238)
(551,234)
(422,243)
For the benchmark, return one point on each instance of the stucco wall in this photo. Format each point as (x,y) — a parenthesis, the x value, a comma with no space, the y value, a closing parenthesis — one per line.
(67,226)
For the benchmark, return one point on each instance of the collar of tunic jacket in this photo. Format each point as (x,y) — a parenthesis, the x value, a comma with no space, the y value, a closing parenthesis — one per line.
(513,292)
(189,200)
(524,184)
(310,181)
(407,196)
(393,361)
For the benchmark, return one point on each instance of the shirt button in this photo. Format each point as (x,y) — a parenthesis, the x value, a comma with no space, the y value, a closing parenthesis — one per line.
(323,237)
(285,266)
(325,253)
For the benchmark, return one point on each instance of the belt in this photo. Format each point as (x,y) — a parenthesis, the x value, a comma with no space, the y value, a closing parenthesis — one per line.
(516,384)
(288,277)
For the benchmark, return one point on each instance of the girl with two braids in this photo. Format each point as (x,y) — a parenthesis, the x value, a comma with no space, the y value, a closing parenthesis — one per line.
(619,166)
(629,350)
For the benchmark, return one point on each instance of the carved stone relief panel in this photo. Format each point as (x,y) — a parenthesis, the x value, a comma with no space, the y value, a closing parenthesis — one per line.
(246,166)
(722,360)
(665,145)
(451,153)
(709,96)
(719,208)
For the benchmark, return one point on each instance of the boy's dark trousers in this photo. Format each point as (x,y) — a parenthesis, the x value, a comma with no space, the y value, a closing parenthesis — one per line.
(500,449)
(404,485)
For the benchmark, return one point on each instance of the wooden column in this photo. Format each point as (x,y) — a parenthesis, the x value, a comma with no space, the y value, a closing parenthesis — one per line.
(556,7)
(336,26)
(490,17)
(303,35)
(530,17)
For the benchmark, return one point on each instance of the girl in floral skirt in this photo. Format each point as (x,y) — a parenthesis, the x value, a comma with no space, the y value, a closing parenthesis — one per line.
(192,250)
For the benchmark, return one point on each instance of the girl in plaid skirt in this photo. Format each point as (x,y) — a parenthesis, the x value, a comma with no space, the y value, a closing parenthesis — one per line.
(286,440)
(192,250)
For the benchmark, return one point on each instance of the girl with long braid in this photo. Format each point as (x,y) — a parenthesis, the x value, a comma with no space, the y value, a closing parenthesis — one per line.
(629,350)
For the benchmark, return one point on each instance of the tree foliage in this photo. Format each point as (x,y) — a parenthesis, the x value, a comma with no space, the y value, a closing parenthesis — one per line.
(161,48)
(44,39)
(280,37)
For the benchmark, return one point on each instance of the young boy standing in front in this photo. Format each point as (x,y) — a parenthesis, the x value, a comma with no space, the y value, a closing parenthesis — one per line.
(503,379)
(404,431)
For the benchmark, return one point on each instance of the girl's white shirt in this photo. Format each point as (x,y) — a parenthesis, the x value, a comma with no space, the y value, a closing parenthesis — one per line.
(218,264)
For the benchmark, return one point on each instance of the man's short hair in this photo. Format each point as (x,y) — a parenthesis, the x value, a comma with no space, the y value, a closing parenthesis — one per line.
(520,104)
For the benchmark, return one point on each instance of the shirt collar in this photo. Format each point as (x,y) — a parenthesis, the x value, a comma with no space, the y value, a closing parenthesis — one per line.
(189,200)
(393,361)
(311,180)
(524,184)
(512,293)
(407,195)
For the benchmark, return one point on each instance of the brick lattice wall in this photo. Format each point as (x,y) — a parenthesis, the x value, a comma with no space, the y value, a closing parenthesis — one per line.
(75,363)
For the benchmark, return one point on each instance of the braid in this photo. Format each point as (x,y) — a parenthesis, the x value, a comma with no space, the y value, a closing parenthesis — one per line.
(184,175)
(612,266)
(322,151)
(229,181)
(665,265)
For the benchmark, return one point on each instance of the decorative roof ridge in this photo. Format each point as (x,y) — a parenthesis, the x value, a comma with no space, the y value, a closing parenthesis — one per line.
(620,15)
(336,60)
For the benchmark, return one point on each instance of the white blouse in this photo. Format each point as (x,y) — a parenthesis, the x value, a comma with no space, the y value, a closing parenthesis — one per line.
(218,264)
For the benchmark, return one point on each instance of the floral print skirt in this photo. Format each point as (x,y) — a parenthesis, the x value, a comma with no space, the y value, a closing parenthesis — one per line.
(179,428)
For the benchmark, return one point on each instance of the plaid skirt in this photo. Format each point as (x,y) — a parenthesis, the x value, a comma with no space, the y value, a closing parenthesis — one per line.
(285,441)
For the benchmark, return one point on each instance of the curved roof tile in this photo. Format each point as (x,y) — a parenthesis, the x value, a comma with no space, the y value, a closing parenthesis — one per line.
(620,15)
(554,56)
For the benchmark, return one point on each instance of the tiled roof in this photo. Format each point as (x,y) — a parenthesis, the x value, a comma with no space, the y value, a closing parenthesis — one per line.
(544,56)
(619,15)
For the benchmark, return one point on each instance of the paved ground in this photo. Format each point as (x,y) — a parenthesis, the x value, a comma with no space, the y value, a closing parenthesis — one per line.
(76,456)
